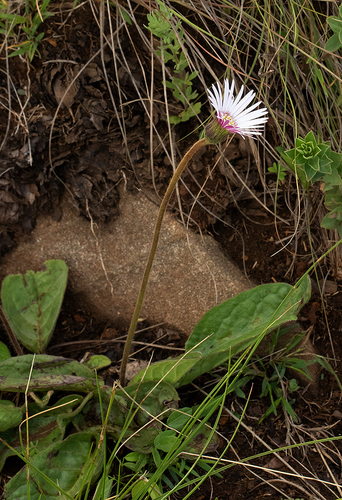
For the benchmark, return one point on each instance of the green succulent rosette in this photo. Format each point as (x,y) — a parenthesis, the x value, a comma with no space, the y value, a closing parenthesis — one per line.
(310,160)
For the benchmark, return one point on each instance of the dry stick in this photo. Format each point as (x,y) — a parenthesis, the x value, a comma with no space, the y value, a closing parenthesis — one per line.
(175,178)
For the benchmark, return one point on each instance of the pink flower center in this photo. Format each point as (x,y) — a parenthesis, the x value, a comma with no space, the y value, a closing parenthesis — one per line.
(229,119)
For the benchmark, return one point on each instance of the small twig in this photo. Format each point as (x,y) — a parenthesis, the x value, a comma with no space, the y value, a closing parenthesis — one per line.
(38,10)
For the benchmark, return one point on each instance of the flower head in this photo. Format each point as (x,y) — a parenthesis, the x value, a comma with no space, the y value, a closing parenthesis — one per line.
(234,115)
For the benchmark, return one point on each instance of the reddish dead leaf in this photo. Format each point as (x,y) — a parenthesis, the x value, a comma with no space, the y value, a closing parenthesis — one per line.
(224,419)
(312,313)
(51,41)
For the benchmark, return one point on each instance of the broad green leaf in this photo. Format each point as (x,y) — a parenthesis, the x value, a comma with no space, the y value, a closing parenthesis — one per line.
(169,370)
(44,428)
(200,441)
(179,418)
(48,373)
(31,303)
(248,315)
(234,325)
(132,457)
(333,196)
(230,328)
(153,398)
(142,441)
(68,464)
(4,352)
(335,24)
(333,43)
(165,440)
(174,120)
(97,362)
(332,219)
(134,406)
(331,182)
(135,461)
(10,415)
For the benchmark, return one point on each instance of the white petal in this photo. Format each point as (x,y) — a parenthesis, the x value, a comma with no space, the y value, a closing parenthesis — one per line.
(228,94)
(238,107)
(247,120)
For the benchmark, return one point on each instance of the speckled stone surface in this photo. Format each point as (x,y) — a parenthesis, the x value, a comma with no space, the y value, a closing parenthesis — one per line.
(189,276)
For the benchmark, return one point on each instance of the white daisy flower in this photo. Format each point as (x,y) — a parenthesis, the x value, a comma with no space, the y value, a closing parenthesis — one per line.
(233,114)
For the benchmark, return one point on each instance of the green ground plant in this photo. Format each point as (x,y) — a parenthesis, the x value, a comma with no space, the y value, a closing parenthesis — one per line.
(312,161)
(22,29)
(278,169)
(335,41)
(172,50)
(273,371)
(31,305)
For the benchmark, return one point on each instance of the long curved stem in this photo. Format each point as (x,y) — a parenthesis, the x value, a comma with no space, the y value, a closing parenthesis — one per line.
(175,178)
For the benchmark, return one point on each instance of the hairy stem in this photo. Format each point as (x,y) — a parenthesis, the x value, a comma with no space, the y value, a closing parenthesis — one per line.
(164,203)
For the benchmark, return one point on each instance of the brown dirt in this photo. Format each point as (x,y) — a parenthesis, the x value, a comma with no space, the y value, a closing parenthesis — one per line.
(89,158)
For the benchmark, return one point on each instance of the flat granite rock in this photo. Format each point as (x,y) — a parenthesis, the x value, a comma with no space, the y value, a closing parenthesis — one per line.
(189,276)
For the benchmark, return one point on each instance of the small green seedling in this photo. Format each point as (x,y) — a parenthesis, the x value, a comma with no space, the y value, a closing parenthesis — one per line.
(22,30)
(172,50)
(279,170)
(168,440)
(275,384)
